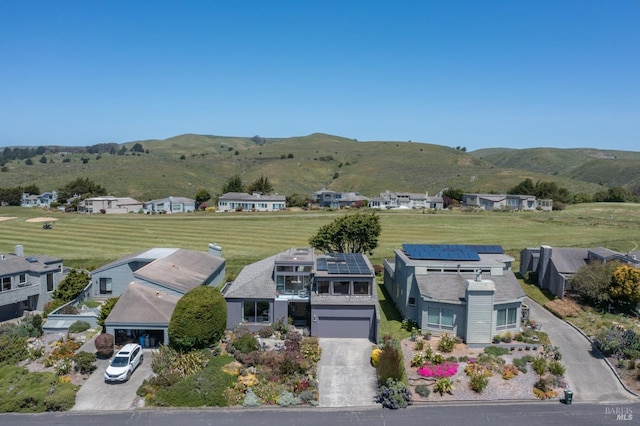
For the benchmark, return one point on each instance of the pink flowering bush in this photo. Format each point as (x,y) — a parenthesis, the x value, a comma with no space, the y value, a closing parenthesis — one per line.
(446,369)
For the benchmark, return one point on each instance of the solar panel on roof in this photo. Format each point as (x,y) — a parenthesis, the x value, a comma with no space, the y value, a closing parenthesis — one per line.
(345,263)
(440,252)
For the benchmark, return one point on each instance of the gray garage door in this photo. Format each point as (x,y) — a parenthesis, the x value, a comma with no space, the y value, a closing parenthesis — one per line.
(343,327)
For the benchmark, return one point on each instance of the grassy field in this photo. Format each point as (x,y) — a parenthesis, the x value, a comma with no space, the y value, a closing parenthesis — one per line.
(90,241)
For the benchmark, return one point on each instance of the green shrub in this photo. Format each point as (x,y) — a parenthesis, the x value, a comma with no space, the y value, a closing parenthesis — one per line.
(447,342)
(478,382)
(286,399)
(310,349)
(198,320)
(84,362)
(71,286)
(205,388)
(266,331)
(26,392)
(423,390)
(105,310)
(556,368)
(79,327)
(393,394)
(250,399)
(246,343)
(13,349)
(521,363)
(539,365)
(443,385)
(391,361)
(496,350)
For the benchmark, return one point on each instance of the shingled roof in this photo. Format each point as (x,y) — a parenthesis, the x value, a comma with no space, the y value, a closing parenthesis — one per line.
(451,287)
(140,304)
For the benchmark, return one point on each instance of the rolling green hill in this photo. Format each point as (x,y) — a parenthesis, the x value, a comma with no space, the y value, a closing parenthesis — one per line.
(182,165)
(604,167)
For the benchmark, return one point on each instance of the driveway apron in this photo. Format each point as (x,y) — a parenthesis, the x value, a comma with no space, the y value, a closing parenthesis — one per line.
(588,375)
(345,375)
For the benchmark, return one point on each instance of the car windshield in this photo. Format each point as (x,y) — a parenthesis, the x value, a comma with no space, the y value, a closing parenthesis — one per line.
(119,361)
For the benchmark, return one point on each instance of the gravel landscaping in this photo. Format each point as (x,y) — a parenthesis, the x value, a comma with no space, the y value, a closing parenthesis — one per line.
(520,387)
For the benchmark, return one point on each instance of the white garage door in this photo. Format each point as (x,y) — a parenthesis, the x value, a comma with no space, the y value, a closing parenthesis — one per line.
(343,327)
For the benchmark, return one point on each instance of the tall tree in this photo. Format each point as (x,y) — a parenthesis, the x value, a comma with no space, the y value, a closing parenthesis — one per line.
(84,187)
(261,185)
(592,282)
(353,233)
(234,184)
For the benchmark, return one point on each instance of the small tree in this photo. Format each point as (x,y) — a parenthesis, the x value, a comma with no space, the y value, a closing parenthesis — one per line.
(354,233)
(71,286)
(202,196)
(625,285)
(199,319)
(234,184)
(592,281)
(105,310)
(261,185)
(104,345)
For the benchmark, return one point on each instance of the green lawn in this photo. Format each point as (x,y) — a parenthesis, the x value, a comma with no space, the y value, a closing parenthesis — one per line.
(90,241)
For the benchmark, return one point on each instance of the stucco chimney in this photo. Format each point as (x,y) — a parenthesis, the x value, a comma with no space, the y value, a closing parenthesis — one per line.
(543,262)
(215,249)
(19,250)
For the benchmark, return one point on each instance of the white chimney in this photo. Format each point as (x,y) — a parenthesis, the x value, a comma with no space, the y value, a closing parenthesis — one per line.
(215,249)
(19,250)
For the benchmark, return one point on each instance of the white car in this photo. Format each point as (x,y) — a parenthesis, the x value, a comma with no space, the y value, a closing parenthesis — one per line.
(124,363)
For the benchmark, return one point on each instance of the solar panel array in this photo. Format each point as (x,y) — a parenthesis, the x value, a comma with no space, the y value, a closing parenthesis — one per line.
(449,251)
(344,263)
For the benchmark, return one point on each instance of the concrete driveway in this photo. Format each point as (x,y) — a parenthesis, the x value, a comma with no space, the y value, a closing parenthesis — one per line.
(588,375)
(96,395)
(345,375)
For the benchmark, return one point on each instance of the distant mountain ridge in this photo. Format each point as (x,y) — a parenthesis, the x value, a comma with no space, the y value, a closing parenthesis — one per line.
(181,165)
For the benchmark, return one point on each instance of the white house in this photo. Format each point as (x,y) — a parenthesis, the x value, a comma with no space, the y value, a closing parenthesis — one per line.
(240,201)
(170,205)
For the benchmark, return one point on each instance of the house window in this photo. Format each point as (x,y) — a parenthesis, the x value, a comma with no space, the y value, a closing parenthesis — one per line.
(323,287)
(106,286)
(440,318)
(5,284)
(22,279)
(506,318)
(412,301)
(361,288)
(341,287)
(255,311)
(49,282)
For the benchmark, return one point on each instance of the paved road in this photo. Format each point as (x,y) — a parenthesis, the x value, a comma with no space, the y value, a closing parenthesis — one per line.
(345,375)
(588,375)
(484,414)
(96,395)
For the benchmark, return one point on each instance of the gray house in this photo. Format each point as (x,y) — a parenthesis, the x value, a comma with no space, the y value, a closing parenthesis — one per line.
(26,283)
(466,290)
(506,202)
(39,200)
(408,200)
(334,295)
(149,285)
(109,205)
(169,205)
(240,201)
(333,199)
(554,266)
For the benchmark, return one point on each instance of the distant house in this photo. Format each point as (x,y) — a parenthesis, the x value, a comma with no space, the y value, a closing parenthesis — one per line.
(333,199)
(553,267)
(41,200)
(26,283)
(333,294)
(170,205)
(149,284)
(240,201)
(506,202)
(399,200)
(468,291)
(109,205)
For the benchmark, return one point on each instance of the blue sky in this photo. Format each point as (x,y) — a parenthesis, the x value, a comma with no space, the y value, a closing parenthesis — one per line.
(477,74)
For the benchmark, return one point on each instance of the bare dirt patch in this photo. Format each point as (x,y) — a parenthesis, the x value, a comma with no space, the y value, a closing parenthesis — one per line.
(3,218)
(41,219)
